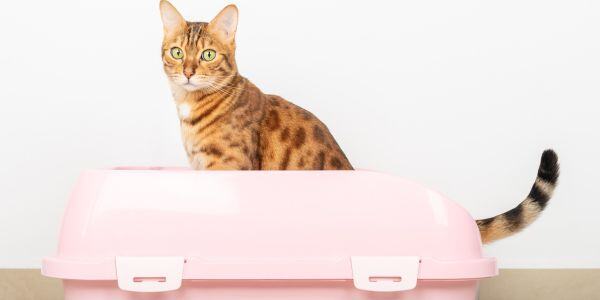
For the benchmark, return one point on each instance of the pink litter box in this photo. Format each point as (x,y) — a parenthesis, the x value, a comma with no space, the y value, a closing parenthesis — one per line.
(137,234)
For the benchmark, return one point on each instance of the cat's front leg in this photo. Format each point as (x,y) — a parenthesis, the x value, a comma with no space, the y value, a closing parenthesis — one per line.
(220,161)
(220,166)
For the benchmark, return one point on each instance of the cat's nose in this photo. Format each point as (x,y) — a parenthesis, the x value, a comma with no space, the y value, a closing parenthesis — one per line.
(188,72)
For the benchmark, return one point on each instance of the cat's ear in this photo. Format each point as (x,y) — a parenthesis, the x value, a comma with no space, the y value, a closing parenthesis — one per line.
(172,20)
(225,23)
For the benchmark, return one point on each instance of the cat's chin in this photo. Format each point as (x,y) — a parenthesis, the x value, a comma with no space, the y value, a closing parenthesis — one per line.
(191,87)
(194,86)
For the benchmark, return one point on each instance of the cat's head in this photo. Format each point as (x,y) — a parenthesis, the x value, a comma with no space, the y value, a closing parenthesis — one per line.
(196,55)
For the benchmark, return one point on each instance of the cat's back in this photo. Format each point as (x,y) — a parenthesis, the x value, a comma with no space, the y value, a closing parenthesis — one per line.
(295,139)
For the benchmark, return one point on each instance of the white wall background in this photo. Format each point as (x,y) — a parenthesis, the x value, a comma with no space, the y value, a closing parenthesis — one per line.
(461,95)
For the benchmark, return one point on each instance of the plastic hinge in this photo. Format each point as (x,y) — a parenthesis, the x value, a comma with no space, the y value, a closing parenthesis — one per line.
(149,274)
(385,274)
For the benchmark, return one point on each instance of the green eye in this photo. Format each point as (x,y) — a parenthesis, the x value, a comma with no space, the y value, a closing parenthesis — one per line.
(208,55)
(177,53)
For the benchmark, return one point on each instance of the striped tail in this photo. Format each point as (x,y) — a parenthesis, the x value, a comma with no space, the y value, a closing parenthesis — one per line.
(529,210)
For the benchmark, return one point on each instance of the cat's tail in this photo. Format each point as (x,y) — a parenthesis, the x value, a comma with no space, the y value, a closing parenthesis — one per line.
(529,210)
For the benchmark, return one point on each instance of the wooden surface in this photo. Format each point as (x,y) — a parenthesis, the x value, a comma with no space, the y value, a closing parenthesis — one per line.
(542,285)
(510,285)
(28,285)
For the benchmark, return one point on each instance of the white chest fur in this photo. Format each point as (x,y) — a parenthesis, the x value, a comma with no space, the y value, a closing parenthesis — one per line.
(184,110)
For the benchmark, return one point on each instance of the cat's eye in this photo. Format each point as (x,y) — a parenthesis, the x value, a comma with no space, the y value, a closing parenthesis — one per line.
(177,53)
(208,55)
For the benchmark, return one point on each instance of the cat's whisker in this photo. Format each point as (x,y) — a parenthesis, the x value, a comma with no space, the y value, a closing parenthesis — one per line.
(234,87)
(224,91)
(219,89)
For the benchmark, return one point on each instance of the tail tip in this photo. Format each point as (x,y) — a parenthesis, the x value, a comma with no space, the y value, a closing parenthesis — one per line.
(550,156)
(549,167)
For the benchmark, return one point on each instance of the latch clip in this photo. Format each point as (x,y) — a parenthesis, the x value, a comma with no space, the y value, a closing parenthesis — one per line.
(149,274)
(385,273)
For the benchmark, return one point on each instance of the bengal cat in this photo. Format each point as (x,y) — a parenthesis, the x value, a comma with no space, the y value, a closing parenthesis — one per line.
(227,123)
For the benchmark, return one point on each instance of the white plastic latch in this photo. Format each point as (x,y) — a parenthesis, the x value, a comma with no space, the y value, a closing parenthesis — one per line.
(149,274)
(385,274)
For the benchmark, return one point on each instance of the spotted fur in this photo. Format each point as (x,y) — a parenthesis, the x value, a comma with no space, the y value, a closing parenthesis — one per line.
(228,123)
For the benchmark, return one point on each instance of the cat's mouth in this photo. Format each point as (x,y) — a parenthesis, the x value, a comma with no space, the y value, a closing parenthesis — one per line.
(194,86)
(189,86)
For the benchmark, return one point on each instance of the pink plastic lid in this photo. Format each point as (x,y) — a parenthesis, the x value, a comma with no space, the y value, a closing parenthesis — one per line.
(324,225)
